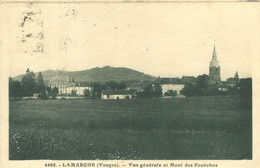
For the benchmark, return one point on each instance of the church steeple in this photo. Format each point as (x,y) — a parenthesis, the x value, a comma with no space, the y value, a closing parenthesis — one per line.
(214,61)
(214,68)
(214,55)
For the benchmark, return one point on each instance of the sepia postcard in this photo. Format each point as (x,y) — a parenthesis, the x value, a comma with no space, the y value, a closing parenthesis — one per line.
(135,84)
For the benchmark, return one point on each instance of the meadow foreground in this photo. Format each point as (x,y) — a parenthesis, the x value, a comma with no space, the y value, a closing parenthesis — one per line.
(147,129)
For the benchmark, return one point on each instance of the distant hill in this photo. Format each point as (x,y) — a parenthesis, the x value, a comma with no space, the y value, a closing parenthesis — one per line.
(106,73)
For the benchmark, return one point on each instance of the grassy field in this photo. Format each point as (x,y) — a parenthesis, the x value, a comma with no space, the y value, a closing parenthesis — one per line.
(190,128)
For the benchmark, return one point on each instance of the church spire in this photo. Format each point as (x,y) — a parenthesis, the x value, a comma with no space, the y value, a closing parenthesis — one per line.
(214,61)
(214,68)
(214,56)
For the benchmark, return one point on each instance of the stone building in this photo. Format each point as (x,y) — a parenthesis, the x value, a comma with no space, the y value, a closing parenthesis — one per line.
(61,82)
(214,69)
(174,87)
(79,88)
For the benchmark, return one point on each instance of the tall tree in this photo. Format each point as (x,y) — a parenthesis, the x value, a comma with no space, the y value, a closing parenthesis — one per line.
(236,78)
(147,91)
(97,88)
(245,90)
(86,93)
(11,92)
(33,74)
(49,91)
(157,91)
(28,83)
(55,91)
(73,93)
(202,81)
(40,78)
(189,90)
(40,86)
(15,89)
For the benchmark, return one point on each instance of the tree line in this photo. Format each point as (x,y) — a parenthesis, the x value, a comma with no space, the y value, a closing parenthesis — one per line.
(150,90)
(29,85)
(202,87)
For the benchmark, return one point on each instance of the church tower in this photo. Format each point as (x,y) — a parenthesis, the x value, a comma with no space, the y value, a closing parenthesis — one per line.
(214,68)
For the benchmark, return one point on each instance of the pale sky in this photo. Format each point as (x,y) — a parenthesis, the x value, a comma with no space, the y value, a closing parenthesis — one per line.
(160,39)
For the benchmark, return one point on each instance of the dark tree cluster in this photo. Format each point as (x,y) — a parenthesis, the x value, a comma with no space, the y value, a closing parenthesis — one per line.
(15,88)
(151,90)
(87,93)
(112,85)
(245,88)
(28,86)
(242,87)
(201,88)
(171,93)
(52,92)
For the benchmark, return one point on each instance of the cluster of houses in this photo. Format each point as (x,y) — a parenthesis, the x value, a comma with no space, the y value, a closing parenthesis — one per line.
(66,85)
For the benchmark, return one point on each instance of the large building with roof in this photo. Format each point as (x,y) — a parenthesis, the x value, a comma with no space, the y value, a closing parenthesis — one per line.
(79,88)
(61,82)
(66,85)
(174,87)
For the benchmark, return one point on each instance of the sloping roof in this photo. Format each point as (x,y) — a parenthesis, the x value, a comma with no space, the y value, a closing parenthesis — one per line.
(169,80)
(188,79)
(116,92)
(83,84)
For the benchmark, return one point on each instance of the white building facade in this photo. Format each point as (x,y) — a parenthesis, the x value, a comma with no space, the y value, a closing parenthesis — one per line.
(79,88)
(61,82)
(116,94)
(174,87)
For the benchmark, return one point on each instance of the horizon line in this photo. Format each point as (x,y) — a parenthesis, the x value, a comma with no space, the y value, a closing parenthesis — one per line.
(159,76)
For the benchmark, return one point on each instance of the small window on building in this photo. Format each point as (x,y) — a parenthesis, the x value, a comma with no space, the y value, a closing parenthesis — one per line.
(216,69)
(107,96)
